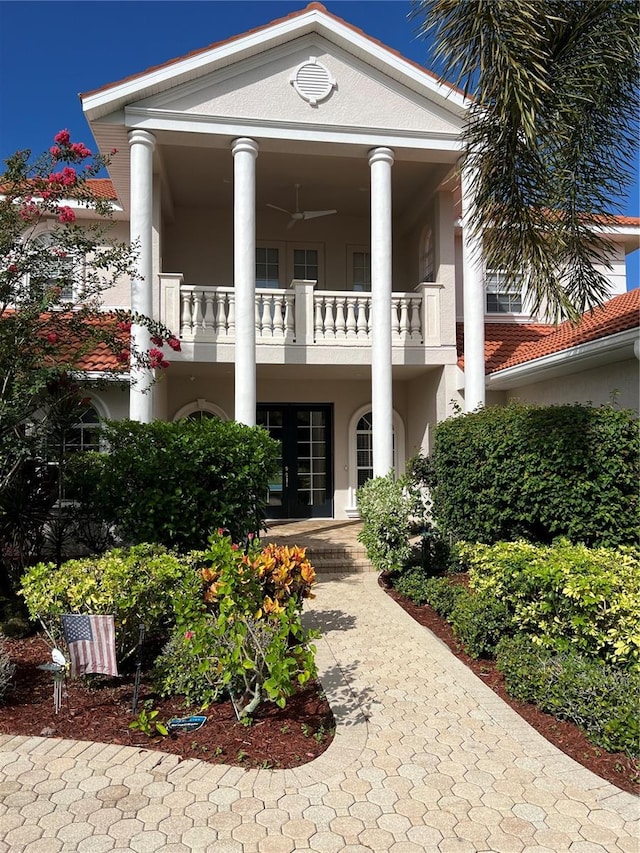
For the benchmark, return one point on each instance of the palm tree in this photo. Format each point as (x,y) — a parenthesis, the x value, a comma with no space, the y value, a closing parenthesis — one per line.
(551,134)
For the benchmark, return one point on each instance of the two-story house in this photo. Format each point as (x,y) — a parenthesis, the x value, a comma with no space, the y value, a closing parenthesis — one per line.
(296,198)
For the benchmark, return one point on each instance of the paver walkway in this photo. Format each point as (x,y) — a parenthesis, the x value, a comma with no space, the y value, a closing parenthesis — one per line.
(425,758)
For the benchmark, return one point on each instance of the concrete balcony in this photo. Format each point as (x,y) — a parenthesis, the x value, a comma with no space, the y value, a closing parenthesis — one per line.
(301,317)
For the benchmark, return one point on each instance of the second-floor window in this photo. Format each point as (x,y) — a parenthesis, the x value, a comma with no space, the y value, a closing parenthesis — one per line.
(502,297)
(361,270)
(267,267)
(305,264)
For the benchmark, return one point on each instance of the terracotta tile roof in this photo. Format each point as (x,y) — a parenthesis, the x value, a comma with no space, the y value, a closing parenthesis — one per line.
(317,6)
(502,341)
(102,188)
(509,344)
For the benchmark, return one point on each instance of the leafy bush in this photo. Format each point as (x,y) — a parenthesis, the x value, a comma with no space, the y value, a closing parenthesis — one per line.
(601,699)
(174,483)
(565,596)
(479,621)
(6,669)
(243,633)
(414,585)
(135,584)
(388,508)
(537,472)
(443,595)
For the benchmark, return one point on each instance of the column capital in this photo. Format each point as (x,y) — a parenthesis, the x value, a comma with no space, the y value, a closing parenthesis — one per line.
(381,155)
(142,137)
(243,143)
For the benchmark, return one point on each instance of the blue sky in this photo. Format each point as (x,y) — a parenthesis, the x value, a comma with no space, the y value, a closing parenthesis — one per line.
(50,51)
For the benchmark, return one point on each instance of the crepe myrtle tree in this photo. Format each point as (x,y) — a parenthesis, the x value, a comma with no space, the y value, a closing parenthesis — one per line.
(52,322)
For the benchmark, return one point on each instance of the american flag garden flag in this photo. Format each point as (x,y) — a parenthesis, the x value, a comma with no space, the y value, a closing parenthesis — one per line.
(92,644)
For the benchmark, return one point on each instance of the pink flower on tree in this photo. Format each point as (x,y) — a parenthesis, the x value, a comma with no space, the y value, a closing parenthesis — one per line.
(157,359)
(189,635)
(62,137)
(124,326)
(157,340)
(174,343)
(52,337)
(80,150)
(66,215)
(55,151)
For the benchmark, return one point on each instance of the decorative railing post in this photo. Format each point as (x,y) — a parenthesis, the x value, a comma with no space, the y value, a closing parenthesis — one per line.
(170,308)
(304,310)
(430,292)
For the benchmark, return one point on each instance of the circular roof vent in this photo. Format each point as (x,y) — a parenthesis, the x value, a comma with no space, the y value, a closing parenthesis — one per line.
(312,81)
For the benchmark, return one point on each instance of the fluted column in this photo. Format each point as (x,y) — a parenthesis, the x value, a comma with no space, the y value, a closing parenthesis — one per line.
(245,152)
(142,145)
(473,302)
(380,162)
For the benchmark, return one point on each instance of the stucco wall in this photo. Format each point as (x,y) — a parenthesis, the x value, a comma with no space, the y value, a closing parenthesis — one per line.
(617,383)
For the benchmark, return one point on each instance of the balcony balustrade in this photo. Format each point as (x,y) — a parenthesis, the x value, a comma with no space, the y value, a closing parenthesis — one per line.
(300,315)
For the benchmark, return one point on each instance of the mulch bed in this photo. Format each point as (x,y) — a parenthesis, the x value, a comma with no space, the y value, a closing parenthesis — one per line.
(99,710)
(615,767)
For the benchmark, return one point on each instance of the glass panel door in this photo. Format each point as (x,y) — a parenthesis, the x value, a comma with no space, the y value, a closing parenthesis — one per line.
(303,487)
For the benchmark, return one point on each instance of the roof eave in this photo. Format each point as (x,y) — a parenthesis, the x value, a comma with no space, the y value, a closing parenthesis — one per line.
(617,347)
(113,98)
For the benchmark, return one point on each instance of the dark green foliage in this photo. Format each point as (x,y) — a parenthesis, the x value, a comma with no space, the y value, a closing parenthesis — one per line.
(601,699)
(443,595)
(479,621)
(173,483)
(413,584)
(537,472)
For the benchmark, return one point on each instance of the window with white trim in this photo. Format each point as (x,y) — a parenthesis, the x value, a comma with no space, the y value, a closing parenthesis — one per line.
(267,266)
(305,264)
(359,271)
(502,297)
(364,449)
(57,268)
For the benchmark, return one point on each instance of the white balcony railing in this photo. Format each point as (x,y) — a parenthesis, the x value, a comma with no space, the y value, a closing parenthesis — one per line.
(300,315)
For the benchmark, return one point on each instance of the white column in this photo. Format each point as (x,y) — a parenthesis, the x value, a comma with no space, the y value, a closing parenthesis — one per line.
(245,152)
(473,302)
(380,162)
(141,145)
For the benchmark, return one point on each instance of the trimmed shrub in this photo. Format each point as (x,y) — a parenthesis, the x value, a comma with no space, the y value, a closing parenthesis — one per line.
(173,483)
(479,621)
(565,596)
(601,699)
(135,584)
(388,509)
(537,472)
(7,669)
(414,585)
(443,595)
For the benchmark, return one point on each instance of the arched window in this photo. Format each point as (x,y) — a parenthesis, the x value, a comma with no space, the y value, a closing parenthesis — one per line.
(427,256)
(85,434)
(199,410)
(361,452)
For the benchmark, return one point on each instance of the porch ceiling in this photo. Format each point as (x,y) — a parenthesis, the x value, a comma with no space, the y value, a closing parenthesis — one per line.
(293,372)
(203,176)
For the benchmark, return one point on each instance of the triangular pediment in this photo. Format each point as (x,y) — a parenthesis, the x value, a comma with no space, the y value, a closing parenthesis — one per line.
(260,90)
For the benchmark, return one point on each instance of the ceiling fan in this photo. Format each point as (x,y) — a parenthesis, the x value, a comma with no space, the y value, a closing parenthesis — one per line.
(298,214)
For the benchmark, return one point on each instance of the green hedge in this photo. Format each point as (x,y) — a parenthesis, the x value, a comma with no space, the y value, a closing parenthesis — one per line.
(537,472)
(565,596)
(601,699)
(174,483)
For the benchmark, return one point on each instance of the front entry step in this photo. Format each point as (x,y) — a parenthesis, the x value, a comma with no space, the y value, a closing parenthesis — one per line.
(332,546)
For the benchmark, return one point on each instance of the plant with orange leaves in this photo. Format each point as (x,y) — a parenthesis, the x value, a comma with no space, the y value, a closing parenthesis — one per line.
(245,634)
